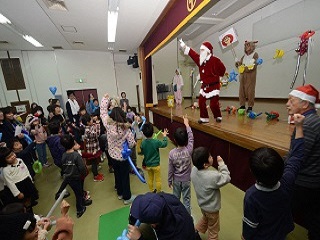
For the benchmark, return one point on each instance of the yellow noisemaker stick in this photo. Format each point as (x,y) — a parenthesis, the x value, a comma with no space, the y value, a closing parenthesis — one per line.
(170,102)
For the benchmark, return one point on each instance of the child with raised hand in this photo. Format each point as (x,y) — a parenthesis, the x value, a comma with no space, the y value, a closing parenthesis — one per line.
(150,150)
(267,204)
(26,154)
(180,159)
(207,184)
(73,170)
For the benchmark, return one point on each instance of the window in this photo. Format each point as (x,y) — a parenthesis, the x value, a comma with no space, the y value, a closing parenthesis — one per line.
(12,73)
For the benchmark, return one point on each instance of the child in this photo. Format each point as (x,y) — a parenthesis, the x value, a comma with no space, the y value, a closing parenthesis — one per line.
(40,135)
(91,135)
(150,150)
(267,204)
(73,169)
(137,132)
(207,184)
(17,178)
(179,168)
(25,154)
(57,150)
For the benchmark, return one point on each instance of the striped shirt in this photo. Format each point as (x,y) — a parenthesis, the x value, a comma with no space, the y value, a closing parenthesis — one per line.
(309,175)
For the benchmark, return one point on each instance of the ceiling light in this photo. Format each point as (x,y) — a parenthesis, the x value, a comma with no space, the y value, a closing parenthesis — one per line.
(4,20)
(56,5)
(112,25)
(32,41)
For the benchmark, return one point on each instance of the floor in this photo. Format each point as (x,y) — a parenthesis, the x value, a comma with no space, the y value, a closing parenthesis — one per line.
(105,200)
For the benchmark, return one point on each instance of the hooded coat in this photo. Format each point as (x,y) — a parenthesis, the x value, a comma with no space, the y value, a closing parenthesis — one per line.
(172,219)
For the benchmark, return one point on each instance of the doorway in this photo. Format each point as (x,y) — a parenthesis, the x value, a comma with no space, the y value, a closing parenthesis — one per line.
(82,95)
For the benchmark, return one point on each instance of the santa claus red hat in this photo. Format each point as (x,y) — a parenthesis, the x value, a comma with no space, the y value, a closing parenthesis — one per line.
(308,93)
(207,47)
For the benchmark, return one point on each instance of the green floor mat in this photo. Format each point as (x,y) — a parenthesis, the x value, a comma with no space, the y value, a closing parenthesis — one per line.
(113,223)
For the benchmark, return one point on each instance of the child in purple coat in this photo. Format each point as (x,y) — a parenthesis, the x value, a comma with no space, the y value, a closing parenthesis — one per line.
(180,159)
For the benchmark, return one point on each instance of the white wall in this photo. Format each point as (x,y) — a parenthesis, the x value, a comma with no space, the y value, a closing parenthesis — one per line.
(42,69)
(274,76)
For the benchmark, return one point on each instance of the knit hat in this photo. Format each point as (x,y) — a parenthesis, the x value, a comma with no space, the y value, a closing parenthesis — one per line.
(308,93)
(207,47)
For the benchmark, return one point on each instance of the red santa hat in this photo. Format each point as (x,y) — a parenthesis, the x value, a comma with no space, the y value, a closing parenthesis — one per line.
(308,93)
(207,47)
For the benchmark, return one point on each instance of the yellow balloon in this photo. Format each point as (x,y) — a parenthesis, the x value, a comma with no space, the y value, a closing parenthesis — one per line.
(250,67)
(170,101)
(278,54)
(241,68)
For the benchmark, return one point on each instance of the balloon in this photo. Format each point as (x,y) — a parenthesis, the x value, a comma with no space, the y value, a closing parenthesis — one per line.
(53,90)
(37,167)
(123,235)
(143,122)
(241,68)
(0,136)
(170,101)
(272,115)
(156,134)
(125,231)
(27,138)
(259,61)
(233,76)
(241,111)
(253,115)
(126,152)
(278,54)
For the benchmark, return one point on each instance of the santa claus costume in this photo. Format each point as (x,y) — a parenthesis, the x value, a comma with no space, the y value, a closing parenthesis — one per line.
(211,69)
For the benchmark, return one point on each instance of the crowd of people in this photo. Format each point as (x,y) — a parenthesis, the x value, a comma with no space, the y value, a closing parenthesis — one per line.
(86,133)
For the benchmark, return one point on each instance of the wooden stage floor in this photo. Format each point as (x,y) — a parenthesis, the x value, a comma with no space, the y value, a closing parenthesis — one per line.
(239,130)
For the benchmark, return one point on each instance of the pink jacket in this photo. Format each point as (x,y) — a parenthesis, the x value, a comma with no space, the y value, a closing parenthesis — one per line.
(39,134)
(117,133)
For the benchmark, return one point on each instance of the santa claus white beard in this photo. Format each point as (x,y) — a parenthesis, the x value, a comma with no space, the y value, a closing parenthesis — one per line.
(203,56)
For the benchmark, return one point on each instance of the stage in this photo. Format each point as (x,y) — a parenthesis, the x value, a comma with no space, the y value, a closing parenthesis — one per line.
(235,137)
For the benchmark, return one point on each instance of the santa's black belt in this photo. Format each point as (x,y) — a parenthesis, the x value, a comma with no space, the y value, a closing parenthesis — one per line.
(209,84)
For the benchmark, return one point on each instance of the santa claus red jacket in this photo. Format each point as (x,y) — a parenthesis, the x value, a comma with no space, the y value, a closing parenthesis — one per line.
(211,70)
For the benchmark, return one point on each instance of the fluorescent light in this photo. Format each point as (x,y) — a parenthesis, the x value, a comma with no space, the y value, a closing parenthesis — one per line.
(32,41)
(4,20)
(112,25)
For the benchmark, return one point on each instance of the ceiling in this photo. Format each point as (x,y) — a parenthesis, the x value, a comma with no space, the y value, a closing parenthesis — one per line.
(84,25)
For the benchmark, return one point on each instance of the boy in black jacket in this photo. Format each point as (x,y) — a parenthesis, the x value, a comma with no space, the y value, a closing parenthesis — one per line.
(73,169)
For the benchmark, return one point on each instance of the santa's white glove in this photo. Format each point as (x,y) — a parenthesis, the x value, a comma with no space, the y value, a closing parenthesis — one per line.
(182,44)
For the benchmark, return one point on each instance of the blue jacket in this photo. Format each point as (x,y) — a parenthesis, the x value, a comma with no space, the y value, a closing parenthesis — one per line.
(56,149)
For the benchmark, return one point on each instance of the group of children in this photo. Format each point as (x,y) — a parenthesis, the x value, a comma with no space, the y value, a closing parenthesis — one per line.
(263,219)
(267,208)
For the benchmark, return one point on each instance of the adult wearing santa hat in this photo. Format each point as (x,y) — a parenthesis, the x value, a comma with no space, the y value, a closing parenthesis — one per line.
(211,69)
(306,198)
